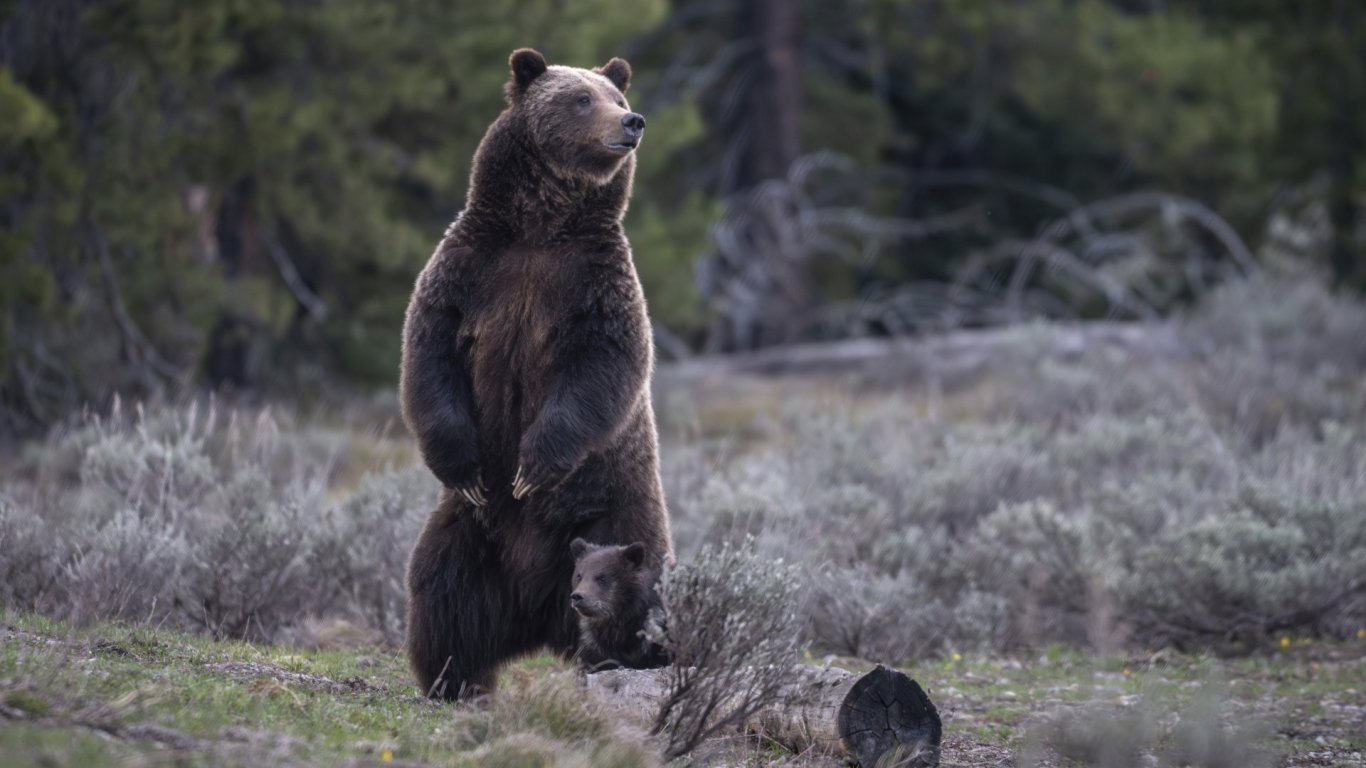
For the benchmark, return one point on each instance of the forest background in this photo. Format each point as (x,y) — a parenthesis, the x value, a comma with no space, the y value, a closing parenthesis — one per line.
(238,193)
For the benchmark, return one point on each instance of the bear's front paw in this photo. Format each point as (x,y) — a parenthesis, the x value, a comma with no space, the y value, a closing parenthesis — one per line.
(461,475)
(472,491)
(534,476)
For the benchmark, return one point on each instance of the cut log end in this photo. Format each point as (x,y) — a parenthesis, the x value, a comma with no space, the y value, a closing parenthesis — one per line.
(887,713)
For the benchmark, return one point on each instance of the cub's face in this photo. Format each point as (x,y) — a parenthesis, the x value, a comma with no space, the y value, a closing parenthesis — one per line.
(604,577)
(579,119)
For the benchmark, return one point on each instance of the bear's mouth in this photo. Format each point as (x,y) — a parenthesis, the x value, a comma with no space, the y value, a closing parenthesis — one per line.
(624,146)
(585,611)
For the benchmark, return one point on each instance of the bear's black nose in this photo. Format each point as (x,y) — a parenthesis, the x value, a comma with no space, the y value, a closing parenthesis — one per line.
(576,597)
(633,123)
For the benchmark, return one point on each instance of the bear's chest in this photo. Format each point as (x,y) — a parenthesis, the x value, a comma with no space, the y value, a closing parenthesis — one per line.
(523,303)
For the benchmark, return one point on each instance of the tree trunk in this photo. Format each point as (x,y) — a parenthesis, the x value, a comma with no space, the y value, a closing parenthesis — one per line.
(834,711)
(1342,214)
(773,102)
(1348,134)
(757,275)
(227,358)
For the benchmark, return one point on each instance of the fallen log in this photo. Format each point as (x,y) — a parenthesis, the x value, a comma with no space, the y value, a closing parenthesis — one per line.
(858,716)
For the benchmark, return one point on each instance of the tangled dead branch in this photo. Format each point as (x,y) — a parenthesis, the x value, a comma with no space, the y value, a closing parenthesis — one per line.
(1128,257)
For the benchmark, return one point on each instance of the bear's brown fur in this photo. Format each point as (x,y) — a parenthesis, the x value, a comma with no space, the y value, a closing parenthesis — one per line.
(615,596)
(526,364)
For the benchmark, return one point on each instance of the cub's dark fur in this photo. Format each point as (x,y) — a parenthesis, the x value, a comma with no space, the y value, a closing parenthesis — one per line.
(526,364)
(615,596)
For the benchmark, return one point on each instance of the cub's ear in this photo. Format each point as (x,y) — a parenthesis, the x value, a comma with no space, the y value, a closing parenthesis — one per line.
(618,71)
(527,64)
(634,554)
(578,548)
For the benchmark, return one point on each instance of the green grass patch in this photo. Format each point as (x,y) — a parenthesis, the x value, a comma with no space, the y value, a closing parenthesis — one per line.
(147,690)
(116,695)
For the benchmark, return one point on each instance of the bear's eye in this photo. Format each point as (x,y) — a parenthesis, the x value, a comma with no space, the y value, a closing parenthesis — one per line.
(585,100)
(601,580)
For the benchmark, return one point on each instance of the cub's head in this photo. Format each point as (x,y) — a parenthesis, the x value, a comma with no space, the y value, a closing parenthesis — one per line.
(607,578)
(578,118)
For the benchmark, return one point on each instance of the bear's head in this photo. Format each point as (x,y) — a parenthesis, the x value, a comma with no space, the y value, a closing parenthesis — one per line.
(578,119)
(607,579)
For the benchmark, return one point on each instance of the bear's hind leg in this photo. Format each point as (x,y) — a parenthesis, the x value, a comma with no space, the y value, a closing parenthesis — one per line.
(447,656)
(458,627)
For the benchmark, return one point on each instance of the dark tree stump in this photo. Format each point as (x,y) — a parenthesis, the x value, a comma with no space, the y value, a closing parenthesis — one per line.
(884,711)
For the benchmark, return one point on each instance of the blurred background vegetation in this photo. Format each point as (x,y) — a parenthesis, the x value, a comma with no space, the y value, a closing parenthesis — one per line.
(239,193)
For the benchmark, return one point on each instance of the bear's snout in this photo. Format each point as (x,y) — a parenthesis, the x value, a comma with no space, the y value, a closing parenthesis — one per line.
(589,609)
(632,129)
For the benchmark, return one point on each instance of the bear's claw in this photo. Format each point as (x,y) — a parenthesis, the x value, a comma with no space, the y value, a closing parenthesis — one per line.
(473,492)
(522,487)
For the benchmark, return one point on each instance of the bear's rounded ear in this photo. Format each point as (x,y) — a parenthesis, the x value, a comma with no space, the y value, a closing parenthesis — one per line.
(618,71)
(527,64)
(578,548)
(634,554)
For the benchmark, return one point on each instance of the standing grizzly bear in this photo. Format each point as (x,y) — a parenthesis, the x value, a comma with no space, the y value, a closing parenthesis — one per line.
(526,368)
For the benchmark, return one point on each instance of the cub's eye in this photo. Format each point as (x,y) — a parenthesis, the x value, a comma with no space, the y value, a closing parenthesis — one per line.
(601,580)
(584,100)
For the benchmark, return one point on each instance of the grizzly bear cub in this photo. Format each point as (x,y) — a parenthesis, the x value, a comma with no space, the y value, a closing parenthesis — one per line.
(615,597)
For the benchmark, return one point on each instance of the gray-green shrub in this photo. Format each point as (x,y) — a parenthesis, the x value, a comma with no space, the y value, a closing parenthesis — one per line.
(1208,494)
(733,634)
(1213,493)
(221,522)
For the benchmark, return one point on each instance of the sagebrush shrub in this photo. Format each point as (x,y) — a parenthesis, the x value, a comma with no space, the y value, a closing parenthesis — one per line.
(732,631)
(1051,493)
(1070,498)
(1043,565)
(203,520)
(360,551)
(1278,352)
(1256,571)
(122,567)
(1295,319)
(247,576)
(30,558)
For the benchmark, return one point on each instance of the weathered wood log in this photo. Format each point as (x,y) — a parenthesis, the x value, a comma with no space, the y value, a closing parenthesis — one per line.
(831,710)
(948,357)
